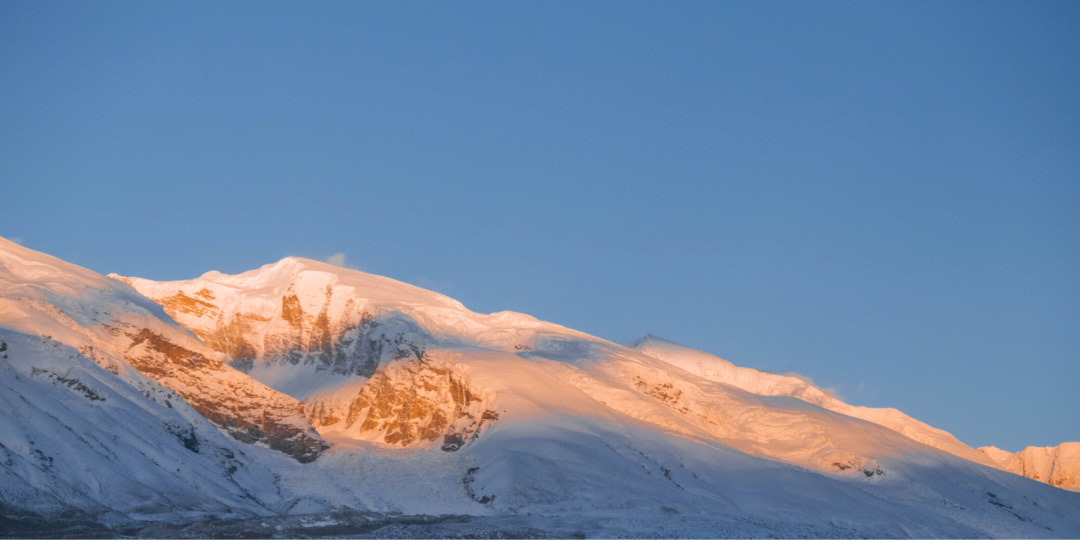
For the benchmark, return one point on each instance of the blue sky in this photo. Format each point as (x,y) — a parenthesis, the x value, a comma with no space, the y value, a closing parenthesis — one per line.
(882,196)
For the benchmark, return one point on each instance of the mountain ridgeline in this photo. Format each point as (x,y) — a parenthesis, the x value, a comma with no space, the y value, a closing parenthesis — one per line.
(302,389)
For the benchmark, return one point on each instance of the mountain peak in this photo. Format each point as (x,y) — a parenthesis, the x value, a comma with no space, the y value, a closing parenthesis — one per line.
(653,340)
(308,279)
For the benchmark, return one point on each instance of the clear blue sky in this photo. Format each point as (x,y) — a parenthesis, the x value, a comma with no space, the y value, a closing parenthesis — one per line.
(882,196)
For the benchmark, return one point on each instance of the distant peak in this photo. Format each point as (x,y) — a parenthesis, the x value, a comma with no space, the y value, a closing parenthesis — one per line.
(636,344)
(653,340)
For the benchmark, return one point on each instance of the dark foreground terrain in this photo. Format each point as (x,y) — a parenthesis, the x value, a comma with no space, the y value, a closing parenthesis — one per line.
(364,525)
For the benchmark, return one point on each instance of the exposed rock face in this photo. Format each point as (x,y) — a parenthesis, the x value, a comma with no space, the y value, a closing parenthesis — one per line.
(246,409)
(664,392)
(355,350)
(1058,466)
(408,403)
(230,337)
(346,344)
(120,330)
(305,322)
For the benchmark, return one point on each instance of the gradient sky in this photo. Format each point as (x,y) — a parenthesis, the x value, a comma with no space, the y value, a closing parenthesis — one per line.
(882,196)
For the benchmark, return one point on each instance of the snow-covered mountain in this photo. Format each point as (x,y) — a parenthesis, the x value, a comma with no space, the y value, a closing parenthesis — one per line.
(128,335)
(318,332)
(521,427)
(1058,466)
(301,325)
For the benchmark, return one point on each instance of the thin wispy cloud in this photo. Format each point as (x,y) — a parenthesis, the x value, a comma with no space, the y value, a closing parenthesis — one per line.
(338,260)
(833,392)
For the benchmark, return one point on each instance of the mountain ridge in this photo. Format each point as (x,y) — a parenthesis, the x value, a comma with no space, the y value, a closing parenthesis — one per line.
(716,369)
(309,278)
(427,408)
(1057,465)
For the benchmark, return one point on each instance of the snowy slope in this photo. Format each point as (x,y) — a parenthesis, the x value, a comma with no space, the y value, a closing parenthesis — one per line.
(716,369)
(129,335)
(576,441)
(74,435)
(607,479)
(1058,466)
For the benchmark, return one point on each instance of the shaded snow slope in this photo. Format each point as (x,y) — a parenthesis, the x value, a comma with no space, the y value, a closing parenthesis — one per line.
(74,435)
(575,443)
(122,331)
(615,477)
(1058,466)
